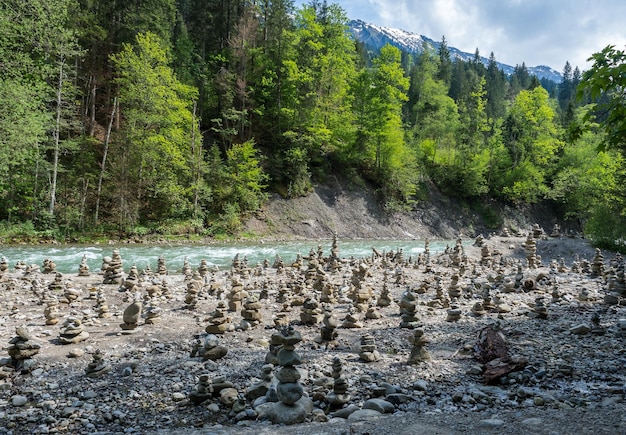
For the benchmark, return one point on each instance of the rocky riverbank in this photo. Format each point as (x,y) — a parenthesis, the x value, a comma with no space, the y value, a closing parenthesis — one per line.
(507,334)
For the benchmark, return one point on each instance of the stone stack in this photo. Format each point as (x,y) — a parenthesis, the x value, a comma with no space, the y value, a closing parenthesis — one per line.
(485,256)
(51,311)
(4,265)
(251,312)
(187,271)
(83,267)
(98,366)
(454,290)
(597,264)
(71,293)
(384,300)
(339,396)
(162,266)
(72,331)
(203,268)
(367,350)
(362,292)
(373,312)
(418,352)
(194,286)
(114,272)
(289,409)
(540,310)
(153,313)
(311,313)
(131,316)
(329,324)
(56,286)
(102,307)
(203,390)
(408,307)
(328,293)
(132,279)
(49,266)
(531,252)
(352,321)
(236,295)
(219,322)
(453,313)
(538,232)
(22,348)
(260,388)
(208,348)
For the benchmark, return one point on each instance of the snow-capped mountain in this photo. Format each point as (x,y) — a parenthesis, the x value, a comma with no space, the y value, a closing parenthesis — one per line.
(377,36)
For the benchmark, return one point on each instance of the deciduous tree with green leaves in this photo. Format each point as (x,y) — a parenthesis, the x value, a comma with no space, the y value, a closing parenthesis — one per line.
(151,158)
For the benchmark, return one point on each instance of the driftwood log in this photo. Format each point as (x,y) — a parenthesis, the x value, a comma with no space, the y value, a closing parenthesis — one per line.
(492,350)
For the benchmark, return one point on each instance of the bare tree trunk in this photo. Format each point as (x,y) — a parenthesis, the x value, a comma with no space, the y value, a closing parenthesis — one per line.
(56,135)
(196,194)
(104,160)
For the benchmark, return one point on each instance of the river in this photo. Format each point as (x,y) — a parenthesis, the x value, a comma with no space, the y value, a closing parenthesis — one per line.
(68,257)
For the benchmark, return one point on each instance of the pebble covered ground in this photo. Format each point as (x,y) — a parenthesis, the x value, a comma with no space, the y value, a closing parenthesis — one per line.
(563,320)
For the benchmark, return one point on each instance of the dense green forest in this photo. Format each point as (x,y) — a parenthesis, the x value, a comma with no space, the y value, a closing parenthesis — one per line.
(180,116)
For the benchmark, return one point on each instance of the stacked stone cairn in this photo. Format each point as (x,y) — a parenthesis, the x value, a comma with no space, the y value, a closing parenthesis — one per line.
(454,290)
(352,321)
(71,293)
(408,307)
(152,312)
(203,268)
(83,267)
(373,312)
(4,265)
(339,396)
(98,366)
(311,313)
(367,350)
(194,286)
(132,279)
(236,295)
(203,390)
(72,331)
(384,299)
(22,348)
(418,352)
(531,252)
(114,272)
(49,266)
(328,293)
(454,312)
(251,312)
(187,271)
(131,315)
(51,311)
(540,310)
(57,285)
(102,307)
(162,266)
(289,409)
(597,264)
(219,322)
(208,348)
(261,387)
(329,324)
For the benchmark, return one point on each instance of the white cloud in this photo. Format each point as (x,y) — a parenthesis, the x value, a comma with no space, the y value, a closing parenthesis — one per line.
(548,32)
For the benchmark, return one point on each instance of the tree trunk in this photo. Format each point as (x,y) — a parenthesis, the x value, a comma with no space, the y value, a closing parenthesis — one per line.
(56,135)
(104,160)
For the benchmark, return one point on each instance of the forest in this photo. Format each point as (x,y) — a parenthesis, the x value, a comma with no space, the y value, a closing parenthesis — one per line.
(181,116)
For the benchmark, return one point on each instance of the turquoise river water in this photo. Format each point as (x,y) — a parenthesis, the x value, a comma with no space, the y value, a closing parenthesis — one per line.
(68,257)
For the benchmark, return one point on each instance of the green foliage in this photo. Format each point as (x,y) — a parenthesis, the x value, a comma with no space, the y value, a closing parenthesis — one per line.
(607,79)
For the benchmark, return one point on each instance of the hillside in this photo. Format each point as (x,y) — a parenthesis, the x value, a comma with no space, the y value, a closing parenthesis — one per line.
(352,212)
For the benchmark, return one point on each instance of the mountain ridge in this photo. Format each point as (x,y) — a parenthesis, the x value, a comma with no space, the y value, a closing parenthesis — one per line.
(377,36)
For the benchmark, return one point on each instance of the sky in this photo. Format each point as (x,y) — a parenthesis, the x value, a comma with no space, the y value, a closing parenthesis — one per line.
(537,32)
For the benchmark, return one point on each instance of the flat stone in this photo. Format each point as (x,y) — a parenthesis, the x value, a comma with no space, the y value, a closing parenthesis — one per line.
(379,405)
(492,422)
(397,398)
(580,329)
(364,414)
(533,421)
(19,400)
(76,353)
(281,413)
